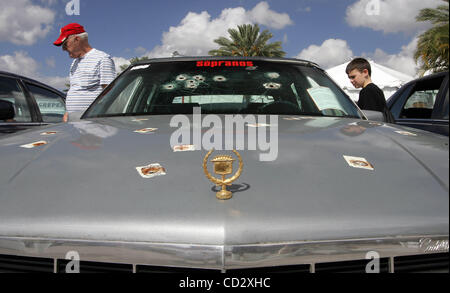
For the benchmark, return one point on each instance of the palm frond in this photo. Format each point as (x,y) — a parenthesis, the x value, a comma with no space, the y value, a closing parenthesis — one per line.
(432,46)
(247,40)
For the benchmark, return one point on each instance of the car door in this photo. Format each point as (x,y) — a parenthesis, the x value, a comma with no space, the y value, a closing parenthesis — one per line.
(440,113)
(420,104)
(50,104)
(12,91)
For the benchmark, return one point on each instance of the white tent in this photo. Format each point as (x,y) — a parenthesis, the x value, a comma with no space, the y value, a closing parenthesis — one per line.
(388,80)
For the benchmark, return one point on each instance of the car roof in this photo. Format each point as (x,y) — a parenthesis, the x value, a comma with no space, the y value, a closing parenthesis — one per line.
(427,77)
(9,74)
(393,98)
(226,58)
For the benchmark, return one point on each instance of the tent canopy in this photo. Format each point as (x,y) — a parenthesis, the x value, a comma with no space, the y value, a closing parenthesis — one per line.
(387,79)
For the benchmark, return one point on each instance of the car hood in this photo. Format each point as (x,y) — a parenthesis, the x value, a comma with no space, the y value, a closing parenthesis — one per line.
(84,184)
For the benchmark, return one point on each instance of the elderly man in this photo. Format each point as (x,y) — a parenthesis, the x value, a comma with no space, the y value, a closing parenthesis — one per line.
(90,72)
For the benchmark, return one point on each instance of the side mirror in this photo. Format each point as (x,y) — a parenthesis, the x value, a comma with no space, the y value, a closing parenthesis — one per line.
(6,110)
(374,115)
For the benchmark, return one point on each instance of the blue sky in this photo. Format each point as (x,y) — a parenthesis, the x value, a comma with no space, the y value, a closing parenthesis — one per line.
(328,32)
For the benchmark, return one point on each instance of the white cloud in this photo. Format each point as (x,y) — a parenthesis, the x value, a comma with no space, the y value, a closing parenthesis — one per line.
(23,23)
(119,61)
(195,34)
(50,2)
(262,14)
(402,61)
(51,62)
(140,50)
(389,16)
(57,82)
(332,52)
(21,63)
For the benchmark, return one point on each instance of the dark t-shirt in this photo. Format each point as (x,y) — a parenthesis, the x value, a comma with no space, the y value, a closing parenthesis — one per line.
(372,98)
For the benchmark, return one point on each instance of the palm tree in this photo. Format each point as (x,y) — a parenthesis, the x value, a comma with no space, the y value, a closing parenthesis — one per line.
(432,45)
(247,41)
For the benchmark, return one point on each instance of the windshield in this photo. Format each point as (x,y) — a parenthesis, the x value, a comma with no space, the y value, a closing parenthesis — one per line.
(223,87)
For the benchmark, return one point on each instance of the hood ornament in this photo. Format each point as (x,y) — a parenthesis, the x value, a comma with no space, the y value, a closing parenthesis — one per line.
(223,165)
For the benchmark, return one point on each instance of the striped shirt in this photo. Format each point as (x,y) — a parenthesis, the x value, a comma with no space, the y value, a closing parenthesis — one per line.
(87,75)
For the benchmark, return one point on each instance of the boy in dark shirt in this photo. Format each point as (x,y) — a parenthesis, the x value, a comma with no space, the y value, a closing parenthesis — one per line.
(371,96)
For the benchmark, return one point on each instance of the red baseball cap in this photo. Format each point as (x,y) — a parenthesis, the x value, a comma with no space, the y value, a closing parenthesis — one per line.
(70,29)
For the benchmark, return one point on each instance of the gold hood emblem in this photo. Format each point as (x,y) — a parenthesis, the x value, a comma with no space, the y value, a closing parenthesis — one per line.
(223,165)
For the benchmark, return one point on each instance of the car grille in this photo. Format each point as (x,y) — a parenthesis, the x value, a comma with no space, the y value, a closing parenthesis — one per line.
(438,262)
(354,266)
(434,263)
(19,264)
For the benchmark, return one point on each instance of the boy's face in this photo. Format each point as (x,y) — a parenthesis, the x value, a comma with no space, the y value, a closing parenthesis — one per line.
(358,78)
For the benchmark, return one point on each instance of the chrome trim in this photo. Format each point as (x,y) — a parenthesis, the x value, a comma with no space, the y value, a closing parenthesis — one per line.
(136,253)
(391,265)
(222,257)
(312,252)
(418,121)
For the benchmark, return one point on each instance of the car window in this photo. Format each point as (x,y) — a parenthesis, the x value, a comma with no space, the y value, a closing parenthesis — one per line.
(421,100)
(223,87)
(10,91)
(50,104)
(122,100)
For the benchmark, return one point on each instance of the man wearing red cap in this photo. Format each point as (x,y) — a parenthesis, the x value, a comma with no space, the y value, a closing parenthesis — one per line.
(90,72)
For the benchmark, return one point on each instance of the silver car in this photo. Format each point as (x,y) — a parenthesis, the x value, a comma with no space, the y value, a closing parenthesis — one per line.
(225,165)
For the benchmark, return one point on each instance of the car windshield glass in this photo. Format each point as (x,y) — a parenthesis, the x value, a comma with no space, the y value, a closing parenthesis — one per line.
(223,87)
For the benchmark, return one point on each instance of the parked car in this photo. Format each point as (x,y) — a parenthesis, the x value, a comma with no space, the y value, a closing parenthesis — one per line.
(423,103)
(226,165)
(33,103)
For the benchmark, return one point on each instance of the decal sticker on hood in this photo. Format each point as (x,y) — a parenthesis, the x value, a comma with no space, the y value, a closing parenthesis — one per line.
(49,132)
(258,125)
(139,119)
(184,148)
(358,162)
(406,133)
(146,130)
(151,170)
(34,144)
